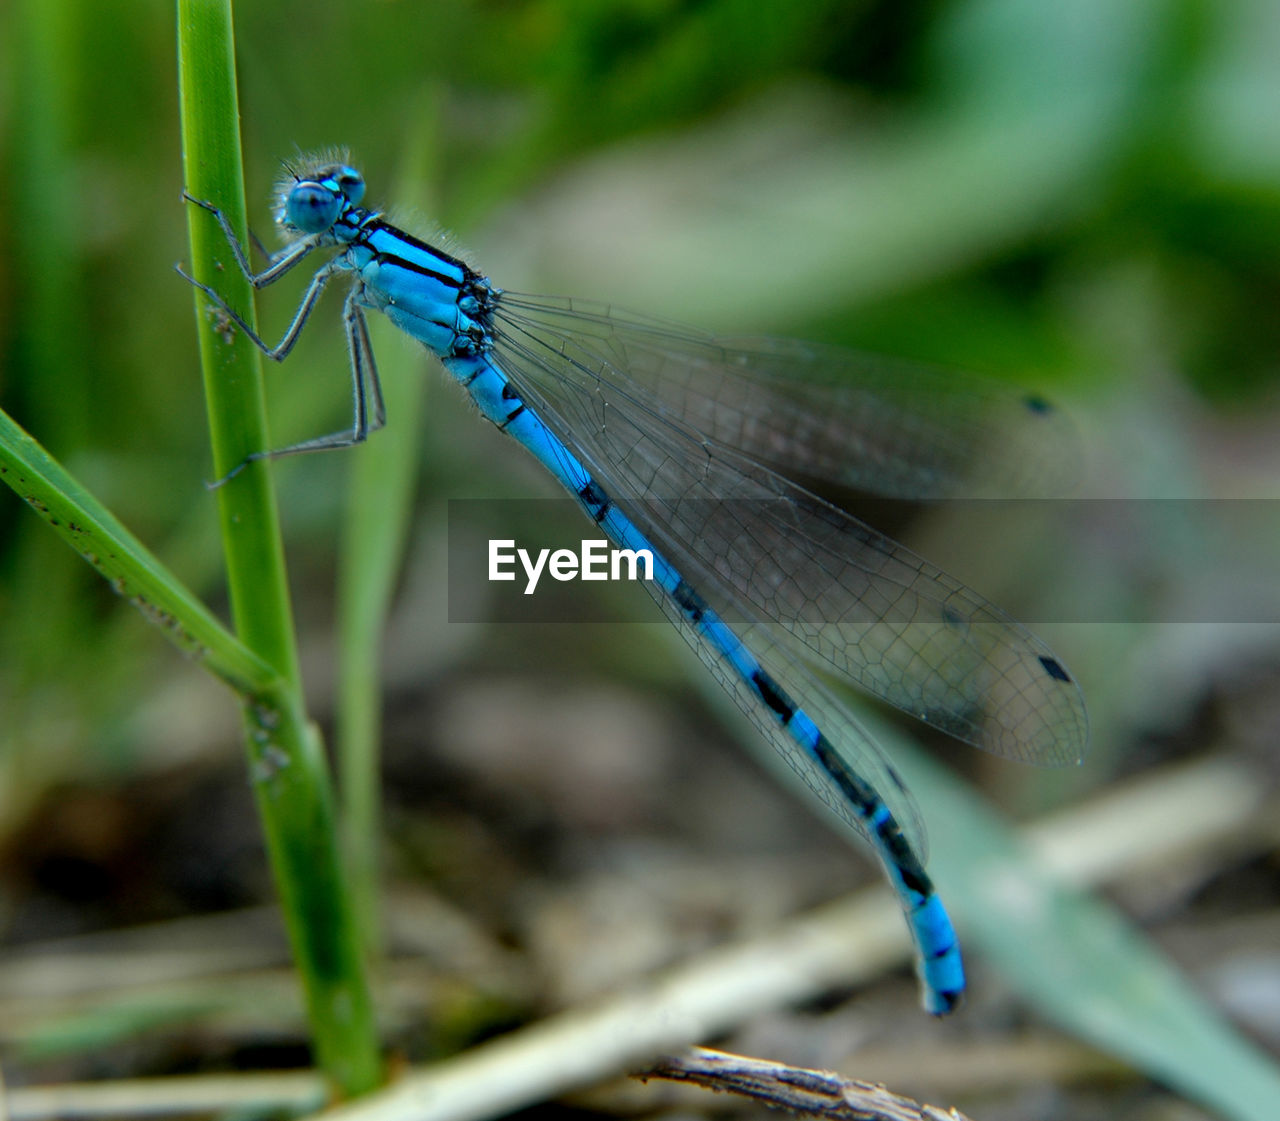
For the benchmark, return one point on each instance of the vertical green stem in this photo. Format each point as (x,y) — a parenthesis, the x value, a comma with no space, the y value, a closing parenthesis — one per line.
(379,508)
(380,503)
(287,766)
(46,229)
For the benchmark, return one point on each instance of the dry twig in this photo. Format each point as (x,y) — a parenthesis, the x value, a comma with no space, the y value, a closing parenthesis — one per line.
(814,1093)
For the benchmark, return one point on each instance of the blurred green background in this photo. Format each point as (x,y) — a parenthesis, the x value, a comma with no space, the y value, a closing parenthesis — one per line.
(1084,197)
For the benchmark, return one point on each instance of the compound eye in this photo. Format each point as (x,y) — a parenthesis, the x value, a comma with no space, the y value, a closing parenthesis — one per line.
(351,184)
(312,208)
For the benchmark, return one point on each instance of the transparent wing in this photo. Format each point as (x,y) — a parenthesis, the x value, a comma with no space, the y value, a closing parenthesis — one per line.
(889,427)
(840,596)
(832,715)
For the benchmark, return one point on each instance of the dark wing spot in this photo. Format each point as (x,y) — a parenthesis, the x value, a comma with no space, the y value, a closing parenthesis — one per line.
(1054,669)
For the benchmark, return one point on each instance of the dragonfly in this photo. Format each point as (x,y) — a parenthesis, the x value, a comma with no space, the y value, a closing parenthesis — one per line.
(690,446)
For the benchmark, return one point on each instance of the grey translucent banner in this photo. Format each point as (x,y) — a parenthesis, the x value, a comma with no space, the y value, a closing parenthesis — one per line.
(1043,561)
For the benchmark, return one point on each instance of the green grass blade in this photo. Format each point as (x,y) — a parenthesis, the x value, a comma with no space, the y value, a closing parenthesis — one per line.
(379,509)
(212,170)
(1077,958)
(287,765)
(44,270)
(89,528)
(379,506)
(1070,955)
